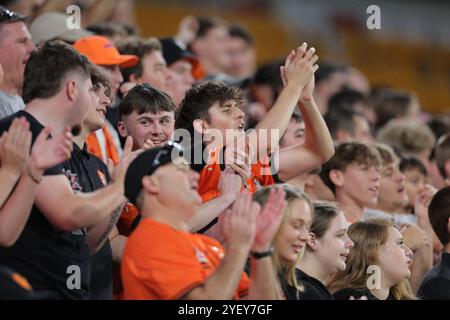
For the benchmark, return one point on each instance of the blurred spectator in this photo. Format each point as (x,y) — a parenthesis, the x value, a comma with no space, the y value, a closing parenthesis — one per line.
(442,155)
(415,179)
(295,132)
(181,63)
(395,104)
(242,53)
(52,25)
(112,30)
(392,196)
(329,80)
(345,125)
(295,136)
(410,138)
(151,68)
(354,100)
(211,44)
(356,80)
(267,84)
(315,188)
(15,49)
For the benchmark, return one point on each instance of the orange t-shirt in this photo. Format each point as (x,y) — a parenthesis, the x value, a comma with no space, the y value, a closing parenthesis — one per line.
(210,177)
(162,263)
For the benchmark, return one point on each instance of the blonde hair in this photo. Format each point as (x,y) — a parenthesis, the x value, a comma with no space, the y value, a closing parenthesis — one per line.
(284,268)
(368,237)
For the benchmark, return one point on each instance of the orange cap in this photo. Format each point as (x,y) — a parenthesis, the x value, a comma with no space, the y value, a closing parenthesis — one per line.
(101,51)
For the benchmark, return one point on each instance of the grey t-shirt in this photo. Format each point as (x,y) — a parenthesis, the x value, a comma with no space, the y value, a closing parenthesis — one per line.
(10,104)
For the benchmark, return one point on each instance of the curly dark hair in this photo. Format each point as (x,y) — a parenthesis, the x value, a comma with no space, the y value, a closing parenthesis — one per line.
(200,99)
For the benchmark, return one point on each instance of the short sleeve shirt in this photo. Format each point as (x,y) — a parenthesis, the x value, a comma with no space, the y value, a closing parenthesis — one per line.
(162,263)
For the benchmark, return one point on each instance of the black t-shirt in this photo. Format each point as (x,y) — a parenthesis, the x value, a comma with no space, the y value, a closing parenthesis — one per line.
(313,288)
(345,294)
(87,173)
(436,283)
(50,259)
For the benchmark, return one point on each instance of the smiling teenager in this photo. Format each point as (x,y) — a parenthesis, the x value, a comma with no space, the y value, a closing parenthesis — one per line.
(326,253)
(290,239)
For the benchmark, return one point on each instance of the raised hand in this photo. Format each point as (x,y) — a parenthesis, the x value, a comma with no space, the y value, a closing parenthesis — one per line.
(414,236)
(47,153)
(423,200)
(187,30)
(239,222)
(300,66)
(269,220)
(15,146)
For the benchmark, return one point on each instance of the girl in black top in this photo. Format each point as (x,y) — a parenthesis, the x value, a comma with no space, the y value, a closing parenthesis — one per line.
(326,252)
(290,239)
(378,266)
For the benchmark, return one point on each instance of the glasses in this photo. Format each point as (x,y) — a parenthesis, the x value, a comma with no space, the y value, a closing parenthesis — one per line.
(7,15)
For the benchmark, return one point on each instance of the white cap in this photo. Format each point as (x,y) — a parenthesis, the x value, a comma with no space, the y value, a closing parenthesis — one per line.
(52,25)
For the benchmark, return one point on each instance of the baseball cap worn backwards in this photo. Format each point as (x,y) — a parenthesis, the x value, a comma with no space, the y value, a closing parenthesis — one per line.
(146,164)
(101,51)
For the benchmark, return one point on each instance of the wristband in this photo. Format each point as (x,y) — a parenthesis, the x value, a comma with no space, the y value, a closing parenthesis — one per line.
(260,255)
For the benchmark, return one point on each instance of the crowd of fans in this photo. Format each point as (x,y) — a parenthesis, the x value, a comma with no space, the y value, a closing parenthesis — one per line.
(176,168)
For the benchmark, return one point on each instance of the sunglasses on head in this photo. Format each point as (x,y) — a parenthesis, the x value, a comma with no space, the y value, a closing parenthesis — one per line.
(7,15)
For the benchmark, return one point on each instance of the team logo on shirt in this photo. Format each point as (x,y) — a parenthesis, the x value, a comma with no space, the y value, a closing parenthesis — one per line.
(102,177)
(73,180)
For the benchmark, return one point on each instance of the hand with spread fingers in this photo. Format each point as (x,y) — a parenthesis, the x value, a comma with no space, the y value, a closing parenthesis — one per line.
(299,68)
(239,225)
(307,62)
(15,146)
(48,152)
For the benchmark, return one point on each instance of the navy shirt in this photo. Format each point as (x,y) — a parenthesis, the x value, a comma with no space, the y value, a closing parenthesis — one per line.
(47,257)
(436,284)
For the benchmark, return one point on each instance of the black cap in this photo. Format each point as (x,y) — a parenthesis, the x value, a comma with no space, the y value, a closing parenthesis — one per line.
(172,52)
(147,163)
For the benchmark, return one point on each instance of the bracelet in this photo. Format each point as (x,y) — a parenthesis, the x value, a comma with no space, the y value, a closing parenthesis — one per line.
(260,255)
(35,179)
